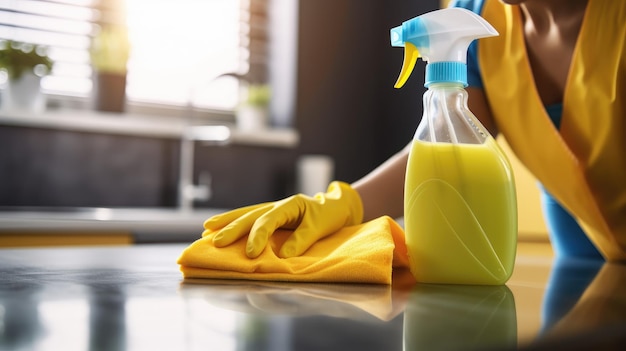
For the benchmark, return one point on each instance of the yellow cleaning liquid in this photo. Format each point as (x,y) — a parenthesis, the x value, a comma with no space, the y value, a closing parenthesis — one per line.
(460,213)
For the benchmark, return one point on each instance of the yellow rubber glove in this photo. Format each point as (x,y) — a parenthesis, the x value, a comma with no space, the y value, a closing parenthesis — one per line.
(311,218)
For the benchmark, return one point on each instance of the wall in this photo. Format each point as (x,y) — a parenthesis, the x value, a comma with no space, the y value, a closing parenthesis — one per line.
(346,106)
(244,175)
(41,167)
(48,167)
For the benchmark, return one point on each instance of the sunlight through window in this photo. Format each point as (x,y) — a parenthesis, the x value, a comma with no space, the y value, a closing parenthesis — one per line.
(179,48)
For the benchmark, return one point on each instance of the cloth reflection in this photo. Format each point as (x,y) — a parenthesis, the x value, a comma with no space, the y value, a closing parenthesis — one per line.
(349,301)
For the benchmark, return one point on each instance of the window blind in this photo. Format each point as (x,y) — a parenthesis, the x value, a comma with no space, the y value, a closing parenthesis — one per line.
(65,27)
(179,48)
(255,38)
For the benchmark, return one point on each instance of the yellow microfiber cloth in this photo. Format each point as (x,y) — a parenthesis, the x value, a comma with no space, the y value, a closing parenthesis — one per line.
(364,253)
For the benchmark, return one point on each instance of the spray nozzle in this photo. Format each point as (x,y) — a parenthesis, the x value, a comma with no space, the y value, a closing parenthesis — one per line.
(440,37)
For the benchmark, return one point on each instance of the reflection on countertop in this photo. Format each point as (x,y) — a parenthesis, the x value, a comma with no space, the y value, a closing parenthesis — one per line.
(134,298)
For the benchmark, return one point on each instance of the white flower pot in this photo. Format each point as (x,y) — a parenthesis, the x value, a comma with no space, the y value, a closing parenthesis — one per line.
(24,94)
(252,117)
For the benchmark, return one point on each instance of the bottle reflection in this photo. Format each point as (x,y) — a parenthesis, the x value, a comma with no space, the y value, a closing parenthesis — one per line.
(457,317)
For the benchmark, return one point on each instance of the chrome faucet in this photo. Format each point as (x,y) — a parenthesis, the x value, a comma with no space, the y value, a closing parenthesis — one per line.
(188,192)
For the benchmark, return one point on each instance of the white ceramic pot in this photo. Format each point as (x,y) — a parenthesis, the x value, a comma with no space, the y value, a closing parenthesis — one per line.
(24,94)
(251,117)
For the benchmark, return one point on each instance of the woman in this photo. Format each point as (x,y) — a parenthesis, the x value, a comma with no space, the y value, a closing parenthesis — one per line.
(554,84)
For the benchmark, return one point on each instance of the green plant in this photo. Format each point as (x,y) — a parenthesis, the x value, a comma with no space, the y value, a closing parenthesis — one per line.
(258,95)
(110,50)
(18,57)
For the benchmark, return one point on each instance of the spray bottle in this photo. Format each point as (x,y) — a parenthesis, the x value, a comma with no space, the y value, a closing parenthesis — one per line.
(460,206)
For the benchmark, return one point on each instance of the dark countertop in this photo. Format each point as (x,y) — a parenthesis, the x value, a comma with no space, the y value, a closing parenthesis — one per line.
(134,298)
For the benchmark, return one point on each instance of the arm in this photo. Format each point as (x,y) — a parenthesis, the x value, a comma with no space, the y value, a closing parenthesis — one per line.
(382,190)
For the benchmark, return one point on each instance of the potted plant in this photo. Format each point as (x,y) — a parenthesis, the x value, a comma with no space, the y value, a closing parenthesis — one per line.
(253,111)
(109,53)
(24,65)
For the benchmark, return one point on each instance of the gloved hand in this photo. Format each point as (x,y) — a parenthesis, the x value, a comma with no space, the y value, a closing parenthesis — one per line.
(311,218)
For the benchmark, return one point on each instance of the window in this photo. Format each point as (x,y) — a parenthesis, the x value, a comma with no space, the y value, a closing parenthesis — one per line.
(63,26)
(179,48)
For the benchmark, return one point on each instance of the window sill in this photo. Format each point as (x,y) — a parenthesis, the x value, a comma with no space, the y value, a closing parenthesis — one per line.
(149,126)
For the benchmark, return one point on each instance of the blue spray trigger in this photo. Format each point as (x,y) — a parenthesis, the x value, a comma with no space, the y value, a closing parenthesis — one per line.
(396,36)
(411,35)
(412,31)
(440,38)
